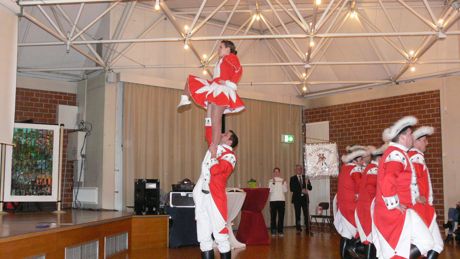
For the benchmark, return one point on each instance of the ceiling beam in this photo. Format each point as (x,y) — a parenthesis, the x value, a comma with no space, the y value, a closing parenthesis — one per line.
(57,36)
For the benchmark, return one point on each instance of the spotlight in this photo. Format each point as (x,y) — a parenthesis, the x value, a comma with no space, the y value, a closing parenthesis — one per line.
(157,5)
(186,28)
(205,72)
(205,56)
(258,17)
(186,47)
(412,69)
(440,23)
(411,53)
(304,74)
(312,42)
(304,88)
(353,14)
(317,2)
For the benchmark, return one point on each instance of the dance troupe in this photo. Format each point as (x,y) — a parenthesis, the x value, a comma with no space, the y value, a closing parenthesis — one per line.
(218,96)
(384,202)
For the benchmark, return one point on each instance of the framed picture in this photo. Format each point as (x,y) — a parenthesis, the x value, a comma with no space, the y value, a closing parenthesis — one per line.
(321,160)
(32,164)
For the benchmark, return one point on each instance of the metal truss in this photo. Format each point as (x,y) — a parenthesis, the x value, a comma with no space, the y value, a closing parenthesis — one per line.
(296,54)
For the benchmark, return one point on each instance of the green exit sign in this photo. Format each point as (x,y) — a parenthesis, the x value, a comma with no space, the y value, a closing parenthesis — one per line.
(285,138)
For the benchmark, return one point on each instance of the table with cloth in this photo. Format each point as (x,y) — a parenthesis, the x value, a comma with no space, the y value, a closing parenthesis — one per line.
(252,229)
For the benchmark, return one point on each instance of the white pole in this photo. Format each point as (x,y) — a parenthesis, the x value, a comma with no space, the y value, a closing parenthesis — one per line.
(59,191)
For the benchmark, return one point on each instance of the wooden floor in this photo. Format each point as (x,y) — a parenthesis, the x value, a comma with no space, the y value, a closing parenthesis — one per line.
(319,246)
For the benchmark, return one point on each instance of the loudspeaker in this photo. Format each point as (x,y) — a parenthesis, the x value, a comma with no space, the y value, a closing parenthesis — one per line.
(146,196)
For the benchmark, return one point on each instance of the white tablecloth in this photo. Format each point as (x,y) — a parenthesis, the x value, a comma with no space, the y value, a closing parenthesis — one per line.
(235,201)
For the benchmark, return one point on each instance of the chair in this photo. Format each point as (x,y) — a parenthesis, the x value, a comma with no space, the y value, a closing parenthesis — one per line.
(324,216)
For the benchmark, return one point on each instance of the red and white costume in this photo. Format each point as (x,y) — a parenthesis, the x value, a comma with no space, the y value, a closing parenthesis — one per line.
(347,193)
(426,211)
(211,209)
(367,189)
(221,90)
(394,231)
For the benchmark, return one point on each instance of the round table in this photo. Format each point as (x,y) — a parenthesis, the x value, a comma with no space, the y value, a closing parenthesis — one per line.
(235,201)
(252,229)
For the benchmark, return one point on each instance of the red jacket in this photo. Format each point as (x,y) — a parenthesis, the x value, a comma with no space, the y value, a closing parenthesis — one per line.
(221,168)
(229,70)
(426,211)
(367,191)
(394,186)
(348,189)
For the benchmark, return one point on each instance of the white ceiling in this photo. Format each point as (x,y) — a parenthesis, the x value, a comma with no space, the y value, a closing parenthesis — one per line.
(348,53)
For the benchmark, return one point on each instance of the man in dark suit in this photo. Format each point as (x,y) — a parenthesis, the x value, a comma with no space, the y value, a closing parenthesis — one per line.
(299,187)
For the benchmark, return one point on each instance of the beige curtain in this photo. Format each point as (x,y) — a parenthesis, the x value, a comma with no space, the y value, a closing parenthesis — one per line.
(159,142)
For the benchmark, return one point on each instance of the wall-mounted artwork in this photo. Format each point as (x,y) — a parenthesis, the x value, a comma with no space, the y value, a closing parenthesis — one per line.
(32,164)
(321,160)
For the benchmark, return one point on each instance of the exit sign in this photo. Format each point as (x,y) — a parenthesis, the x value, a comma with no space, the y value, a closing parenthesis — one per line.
(285,138)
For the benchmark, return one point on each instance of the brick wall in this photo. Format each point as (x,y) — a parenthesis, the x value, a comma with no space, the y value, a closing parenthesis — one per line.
(41,107)
(363,122)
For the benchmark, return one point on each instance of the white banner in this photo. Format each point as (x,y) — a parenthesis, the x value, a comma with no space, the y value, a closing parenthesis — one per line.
(321,160)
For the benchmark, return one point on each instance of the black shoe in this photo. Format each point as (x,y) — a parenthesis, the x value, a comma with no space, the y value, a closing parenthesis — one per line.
(371,252)
(432,254)
(207,254)
(449,238)
(414,252)
(351,245)
(227,255)
(343,250)
(447,225)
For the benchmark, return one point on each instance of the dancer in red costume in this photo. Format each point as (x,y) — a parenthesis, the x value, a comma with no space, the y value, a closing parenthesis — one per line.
(211,208)
(425,209)
(345,200)
(219,94)
(398,231)
(367,190)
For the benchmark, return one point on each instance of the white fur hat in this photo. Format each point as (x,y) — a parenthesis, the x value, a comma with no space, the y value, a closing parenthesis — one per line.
(353,155)
(391,132)
(352,148)
(379,151)
(423,131)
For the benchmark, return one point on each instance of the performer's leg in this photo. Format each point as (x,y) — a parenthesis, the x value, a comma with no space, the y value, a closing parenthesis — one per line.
(281,210)
(273,217)
(185,97)
(216,117)
(204,228)
(306,215)
(222,242)
(420,234)
(438,243)
(297,208)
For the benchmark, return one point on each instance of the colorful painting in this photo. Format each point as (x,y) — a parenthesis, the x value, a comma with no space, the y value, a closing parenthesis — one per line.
(33,163)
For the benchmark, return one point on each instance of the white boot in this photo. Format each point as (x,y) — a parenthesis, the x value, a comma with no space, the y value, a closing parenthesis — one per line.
(184,100)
